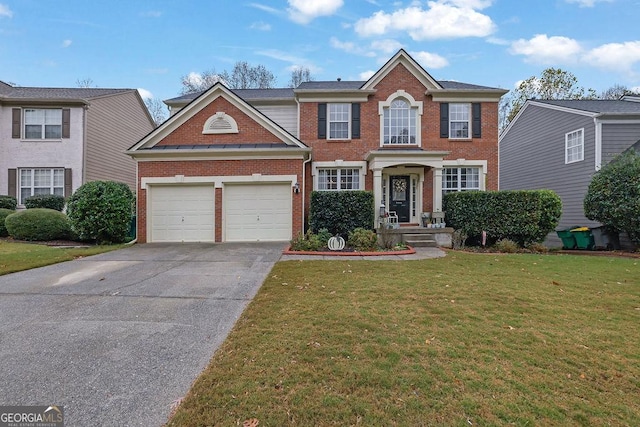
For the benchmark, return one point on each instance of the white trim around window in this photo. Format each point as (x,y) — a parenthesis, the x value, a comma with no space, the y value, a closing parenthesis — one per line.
(339,120)
(339,175)
(469,175)
(574,146)
(400,120)
(460,120)
(42,123)
(38,181)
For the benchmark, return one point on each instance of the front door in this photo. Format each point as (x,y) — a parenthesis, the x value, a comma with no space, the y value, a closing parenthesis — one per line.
(399,197)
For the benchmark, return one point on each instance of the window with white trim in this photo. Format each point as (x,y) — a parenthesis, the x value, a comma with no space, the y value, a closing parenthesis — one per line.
(459,121)
(336,179)
(339,121)
(43,123)
(574,146)
(460,179)
(41,181)
(399,122)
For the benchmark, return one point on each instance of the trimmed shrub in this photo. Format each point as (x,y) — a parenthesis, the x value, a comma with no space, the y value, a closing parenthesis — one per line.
(613,195)
(524,216)
(363,240)
(507,246)
(341,211)
(101,211)
(47,201)
(38,224)
(306,242)
(8,202)
(3,214)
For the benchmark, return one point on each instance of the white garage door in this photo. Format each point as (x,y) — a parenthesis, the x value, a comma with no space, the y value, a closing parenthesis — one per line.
(182,213)
(257,212)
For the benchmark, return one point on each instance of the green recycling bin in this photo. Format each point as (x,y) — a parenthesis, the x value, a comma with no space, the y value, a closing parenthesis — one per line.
(568,238)
(584,238)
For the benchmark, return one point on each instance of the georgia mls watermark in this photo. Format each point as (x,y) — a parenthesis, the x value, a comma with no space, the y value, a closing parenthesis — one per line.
(31,416)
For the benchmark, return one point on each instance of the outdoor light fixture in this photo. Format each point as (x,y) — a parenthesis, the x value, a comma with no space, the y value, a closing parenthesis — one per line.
(383,210)
(296,188)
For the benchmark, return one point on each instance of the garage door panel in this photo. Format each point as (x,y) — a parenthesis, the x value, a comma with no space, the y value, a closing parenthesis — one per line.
(257,212)
(182,213)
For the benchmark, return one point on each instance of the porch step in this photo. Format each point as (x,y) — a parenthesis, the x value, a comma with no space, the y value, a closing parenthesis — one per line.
(419,240)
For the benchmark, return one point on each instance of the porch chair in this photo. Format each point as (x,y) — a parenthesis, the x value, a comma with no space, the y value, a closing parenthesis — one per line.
(437,218)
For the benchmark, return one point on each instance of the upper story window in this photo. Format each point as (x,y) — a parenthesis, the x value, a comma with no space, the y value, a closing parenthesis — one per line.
(42,123)
(574,146)
(459,121)
(339,119)
(460,179)
(338,179)
(41,181)
(400,120)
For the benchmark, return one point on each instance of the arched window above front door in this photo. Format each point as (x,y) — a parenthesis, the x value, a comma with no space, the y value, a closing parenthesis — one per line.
(400,120)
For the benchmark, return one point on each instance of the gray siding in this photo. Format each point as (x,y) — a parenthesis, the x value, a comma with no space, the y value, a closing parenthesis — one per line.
(532,156)
(284,115)
(617,137)
(114,124)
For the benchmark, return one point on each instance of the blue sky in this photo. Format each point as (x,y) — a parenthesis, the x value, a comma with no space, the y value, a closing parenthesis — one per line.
(150,45)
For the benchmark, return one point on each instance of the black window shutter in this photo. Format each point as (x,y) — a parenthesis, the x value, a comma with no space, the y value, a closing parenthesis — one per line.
(322,121)
(444,120)
(476,125)
(16,125)
(355,121)
(12,183)
(68,187)
(66,123)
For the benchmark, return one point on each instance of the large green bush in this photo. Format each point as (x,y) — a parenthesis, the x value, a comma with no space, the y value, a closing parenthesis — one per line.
(8,202)
(101,211)
(48,201)
(341,211)
(613,196)
(524,216)
(38,224)
(3,214)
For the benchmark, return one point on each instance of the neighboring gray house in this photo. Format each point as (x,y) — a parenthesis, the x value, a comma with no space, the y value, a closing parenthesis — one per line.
(52,140)
(560,144)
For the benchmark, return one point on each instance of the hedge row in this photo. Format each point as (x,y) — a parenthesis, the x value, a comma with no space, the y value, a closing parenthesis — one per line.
(524,216)
(46,201)
(8,202)
(38,224)
(341,211)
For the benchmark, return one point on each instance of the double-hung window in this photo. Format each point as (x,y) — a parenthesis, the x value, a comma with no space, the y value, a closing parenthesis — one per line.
(459,121)
(339,119)
(574,146)
(41,181)
(338,179)
(399,122)
(460,179)
(43,123)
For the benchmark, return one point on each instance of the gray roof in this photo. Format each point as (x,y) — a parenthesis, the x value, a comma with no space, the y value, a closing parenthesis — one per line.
(448,84)
(602,106)
(43,93)
(246,94)
(331,85)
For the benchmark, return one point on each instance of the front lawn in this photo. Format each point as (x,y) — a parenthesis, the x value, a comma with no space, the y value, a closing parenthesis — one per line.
(24,256)
(469,339)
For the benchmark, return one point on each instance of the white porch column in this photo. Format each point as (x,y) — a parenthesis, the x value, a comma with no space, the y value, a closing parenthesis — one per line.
(377,193)
(437,189)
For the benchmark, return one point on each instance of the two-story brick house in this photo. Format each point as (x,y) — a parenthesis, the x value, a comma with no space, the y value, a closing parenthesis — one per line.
(239,165)
(52,140)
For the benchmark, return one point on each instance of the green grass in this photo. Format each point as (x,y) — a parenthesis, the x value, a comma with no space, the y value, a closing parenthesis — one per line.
(469,339)
(24,256)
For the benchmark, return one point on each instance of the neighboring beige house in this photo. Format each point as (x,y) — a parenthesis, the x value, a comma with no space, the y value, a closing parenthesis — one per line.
(53,140)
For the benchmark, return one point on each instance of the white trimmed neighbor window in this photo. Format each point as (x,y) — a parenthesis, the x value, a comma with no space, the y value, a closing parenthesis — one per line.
(337,179)
(574,146)
(459,121)
(339,120)
(41,181)
(460,179)
(42,123)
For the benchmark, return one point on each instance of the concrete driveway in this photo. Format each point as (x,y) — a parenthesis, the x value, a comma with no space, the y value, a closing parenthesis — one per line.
(117,338)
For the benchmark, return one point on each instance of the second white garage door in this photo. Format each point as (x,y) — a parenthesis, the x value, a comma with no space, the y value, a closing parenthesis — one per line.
(257,212)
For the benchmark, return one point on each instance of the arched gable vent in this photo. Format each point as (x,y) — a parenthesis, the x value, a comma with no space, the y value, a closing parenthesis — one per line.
(220,123)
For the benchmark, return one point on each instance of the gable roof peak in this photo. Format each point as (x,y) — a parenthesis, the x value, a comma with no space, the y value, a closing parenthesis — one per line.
(402,57)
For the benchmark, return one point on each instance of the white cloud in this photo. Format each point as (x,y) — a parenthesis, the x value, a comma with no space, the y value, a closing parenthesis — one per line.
(430,60)
(260,26)
(635,89)
(195,79)
(152,14)
(145,94)
(366,75)
(305,11)
(388,46)
(350,47)
(442,19)
(66,43)
(547,50)
(587,3)
(5,11)
(614,56)
(264,8)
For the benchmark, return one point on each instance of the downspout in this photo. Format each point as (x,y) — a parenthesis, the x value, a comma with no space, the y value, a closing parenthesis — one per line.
(304,186)
(598,142)
(85,127)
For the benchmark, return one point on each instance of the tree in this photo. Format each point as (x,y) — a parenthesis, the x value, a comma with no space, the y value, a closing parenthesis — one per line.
(300,75)
(613,196)
(156,109)
(614,92)
(553,83)
(243,76)
(85,83)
